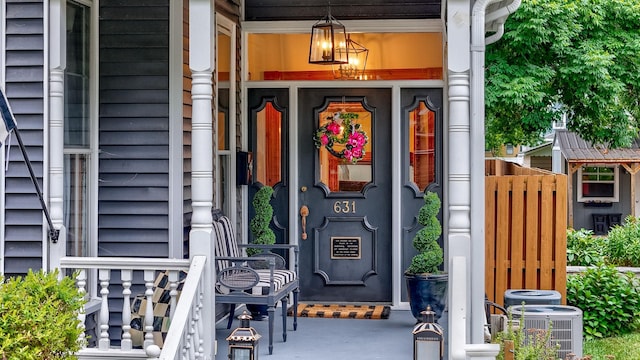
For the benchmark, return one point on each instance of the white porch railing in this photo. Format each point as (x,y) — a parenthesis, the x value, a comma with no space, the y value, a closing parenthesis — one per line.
(186,332)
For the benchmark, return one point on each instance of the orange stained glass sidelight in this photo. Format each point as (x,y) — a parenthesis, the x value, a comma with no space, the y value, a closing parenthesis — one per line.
(422,142)
(268,158)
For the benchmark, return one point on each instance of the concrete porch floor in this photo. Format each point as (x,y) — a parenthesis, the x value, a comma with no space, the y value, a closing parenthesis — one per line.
(333,339)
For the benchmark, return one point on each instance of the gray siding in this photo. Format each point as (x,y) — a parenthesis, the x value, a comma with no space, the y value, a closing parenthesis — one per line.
(133,198)
(25,90)
(186,131)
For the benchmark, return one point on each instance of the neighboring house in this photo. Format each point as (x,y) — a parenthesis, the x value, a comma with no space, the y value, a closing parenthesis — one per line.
(539,156)
(136,115)
(508,152)
(603,184)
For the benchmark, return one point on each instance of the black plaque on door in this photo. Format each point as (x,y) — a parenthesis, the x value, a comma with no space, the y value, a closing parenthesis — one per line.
(343,247)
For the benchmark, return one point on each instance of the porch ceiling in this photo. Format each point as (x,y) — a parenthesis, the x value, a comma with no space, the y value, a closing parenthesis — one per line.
(577,150)
(279,10)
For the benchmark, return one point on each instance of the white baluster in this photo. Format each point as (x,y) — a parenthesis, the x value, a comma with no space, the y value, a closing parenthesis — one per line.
(153,352)
(104,277)
(187,346)
(149,275)
(192,343)
(199,322)
(173,286)
(126,277)
(196,338)
(81,283)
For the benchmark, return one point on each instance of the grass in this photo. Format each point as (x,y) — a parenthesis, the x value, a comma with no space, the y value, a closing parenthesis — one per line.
(624,347)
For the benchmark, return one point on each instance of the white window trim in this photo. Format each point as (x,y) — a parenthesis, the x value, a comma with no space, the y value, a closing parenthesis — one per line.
(228,27)
(92,192)
(616,186)
(176,155)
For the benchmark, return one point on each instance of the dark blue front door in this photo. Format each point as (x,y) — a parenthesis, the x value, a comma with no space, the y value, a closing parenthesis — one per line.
(346,254)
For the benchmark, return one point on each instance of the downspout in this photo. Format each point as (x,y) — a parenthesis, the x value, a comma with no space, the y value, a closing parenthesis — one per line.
(479,19)
(495,36)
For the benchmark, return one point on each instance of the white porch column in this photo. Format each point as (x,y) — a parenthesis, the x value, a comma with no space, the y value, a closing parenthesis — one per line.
(201,59)
(57,65)
(479,20)
(459,183)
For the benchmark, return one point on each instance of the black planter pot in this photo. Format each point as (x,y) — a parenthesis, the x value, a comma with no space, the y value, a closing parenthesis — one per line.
(427,290)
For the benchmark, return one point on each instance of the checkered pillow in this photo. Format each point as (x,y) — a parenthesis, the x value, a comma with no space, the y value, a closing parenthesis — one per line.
(161,310)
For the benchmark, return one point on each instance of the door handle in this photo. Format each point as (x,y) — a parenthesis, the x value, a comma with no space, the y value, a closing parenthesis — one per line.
(304,212)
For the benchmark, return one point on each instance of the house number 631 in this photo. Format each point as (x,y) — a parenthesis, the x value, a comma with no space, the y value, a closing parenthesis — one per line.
(344,207)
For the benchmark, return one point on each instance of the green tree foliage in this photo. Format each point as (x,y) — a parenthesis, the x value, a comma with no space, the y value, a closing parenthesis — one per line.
(575,56)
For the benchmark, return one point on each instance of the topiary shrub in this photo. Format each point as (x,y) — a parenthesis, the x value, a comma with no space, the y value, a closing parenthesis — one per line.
(259,225)
(430,254)
(39,317)
(610,300)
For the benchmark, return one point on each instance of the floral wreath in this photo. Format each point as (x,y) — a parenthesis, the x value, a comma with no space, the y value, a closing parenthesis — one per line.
(342,129)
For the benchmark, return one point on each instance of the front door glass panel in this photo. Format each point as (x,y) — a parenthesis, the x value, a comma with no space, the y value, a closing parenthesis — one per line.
(269,145)
(422,146)
(342,167)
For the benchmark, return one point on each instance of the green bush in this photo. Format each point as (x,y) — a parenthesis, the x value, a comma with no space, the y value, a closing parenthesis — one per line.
(583,249)
(610,300)
(530,344)
(430,254)
(39,317)
(259,225)
(623,245)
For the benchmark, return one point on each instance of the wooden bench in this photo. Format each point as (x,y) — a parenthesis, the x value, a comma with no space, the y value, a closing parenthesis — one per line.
(263,279)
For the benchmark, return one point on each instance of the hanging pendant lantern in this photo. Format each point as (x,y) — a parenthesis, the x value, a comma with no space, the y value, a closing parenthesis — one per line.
(356,64)
(328,42)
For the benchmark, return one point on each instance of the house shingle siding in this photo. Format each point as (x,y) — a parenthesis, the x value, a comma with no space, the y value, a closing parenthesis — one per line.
(24,86)
(133,198)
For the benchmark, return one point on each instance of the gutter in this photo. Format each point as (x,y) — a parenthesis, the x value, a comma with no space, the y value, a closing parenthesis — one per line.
(479,21)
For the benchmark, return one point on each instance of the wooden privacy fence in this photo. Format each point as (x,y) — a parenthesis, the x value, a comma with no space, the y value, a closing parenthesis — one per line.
(525,229)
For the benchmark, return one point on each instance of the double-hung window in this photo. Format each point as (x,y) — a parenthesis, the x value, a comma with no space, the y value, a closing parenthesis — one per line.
(598,183)
(225,116)
(77,129)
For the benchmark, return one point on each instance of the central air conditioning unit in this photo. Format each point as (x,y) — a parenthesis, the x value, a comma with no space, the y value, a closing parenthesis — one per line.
(531,297)
(566,325)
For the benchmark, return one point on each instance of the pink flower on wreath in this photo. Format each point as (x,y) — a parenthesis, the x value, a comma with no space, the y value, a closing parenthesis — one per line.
(334,127)
(348,154)
(324,139)
(356,152)
(357,139)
